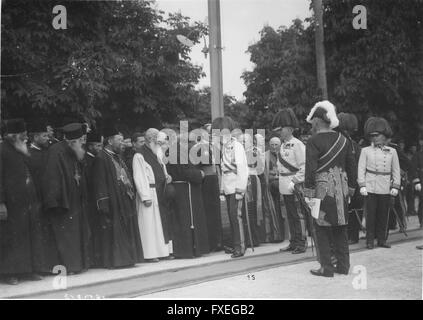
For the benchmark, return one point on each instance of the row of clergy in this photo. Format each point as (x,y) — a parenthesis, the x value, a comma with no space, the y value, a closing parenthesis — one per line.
(79,204)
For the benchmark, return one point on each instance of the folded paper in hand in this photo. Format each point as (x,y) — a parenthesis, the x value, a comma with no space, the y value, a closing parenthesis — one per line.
(314,205)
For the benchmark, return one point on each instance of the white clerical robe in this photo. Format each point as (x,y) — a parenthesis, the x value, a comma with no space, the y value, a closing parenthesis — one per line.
(149,221)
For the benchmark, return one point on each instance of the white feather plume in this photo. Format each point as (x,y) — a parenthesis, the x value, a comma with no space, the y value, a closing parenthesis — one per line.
(331,113)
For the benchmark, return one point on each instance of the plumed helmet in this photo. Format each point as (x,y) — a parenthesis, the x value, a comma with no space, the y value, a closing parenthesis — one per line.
(348,122)
(285,118)
(377,124)
(326,111)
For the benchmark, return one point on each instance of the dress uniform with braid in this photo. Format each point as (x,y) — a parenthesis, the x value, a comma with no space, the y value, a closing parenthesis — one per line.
(378,178)
(293,152)
(235,171)
(291,167)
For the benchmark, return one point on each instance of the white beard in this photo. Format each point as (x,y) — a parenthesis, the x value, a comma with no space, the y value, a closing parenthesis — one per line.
(79,151)
(22,148)
(159,153)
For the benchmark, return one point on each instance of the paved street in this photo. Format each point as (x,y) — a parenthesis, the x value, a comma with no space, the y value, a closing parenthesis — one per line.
(277,275)
(394,273)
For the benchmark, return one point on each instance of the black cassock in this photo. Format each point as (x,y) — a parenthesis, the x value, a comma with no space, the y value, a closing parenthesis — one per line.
(190,235)
(118,234)
(48,252)
(92,213)
(160,179)
(64,197)
(20,242)
(211,192)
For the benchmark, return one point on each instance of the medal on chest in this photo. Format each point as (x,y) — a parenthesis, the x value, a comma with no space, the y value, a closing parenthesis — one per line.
(122,175)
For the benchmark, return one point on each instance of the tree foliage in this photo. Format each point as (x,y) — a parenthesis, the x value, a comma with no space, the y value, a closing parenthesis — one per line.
(378,71)
(284,73)
(116,59)
(201,114)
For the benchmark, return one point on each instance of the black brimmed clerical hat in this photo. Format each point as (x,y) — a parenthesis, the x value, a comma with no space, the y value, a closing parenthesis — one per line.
(377,125)
(37,126)
(94,137)
(285,118)
(110,131)
(73,131)
(347,122)
(14,126)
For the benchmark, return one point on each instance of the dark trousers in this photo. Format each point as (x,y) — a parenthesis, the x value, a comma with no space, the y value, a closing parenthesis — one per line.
(333,240)
(276,196)
(296,221)
(211,201)
(409,190)
(377,206)
(420,212)
(237,230)
(354,224)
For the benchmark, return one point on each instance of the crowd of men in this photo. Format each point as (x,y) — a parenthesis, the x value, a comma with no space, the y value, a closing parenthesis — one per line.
(90,200)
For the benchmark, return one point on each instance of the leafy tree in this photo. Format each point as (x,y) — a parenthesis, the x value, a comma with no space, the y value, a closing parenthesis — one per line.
(201,114)
(284,73)
(116,59)
(378,71)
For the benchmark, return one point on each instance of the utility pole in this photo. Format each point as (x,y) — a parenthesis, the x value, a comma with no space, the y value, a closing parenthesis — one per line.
(215,49)
(320,48)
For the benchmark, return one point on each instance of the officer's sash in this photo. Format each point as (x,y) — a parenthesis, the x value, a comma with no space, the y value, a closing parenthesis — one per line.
(286,164)
(330,156)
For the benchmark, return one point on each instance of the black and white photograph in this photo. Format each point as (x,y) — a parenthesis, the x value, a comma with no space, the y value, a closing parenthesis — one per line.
(238,151)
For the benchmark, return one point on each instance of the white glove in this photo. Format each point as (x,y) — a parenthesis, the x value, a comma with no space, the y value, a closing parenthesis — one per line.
(363,191)
(394,192)
(222,198)
(239,196)
(418,187)
(291,187)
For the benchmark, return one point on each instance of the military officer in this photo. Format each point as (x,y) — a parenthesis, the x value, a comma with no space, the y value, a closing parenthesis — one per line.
(234,168)
(291,166)
(379,179)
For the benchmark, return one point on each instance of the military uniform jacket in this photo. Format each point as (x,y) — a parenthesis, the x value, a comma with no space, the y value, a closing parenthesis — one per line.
(234,168)
(293,152)
(379,169)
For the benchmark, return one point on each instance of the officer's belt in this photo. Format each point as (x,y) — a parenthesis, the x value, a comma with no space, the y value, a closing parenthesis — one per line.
(230,171)
(379,172)
(286,174)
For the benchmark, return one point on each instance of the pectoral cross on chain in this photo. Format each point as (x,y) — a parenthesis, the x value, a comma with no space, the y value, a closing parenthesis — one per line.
(77,177)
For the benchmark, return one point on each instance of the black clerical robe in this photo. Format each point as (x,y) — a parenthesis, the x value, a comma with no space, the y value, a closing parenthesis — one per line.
(92,213)
(159,175)
(64,196)
(119,237)
(210,192)
(189,222)
(48,251)
(20,241)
